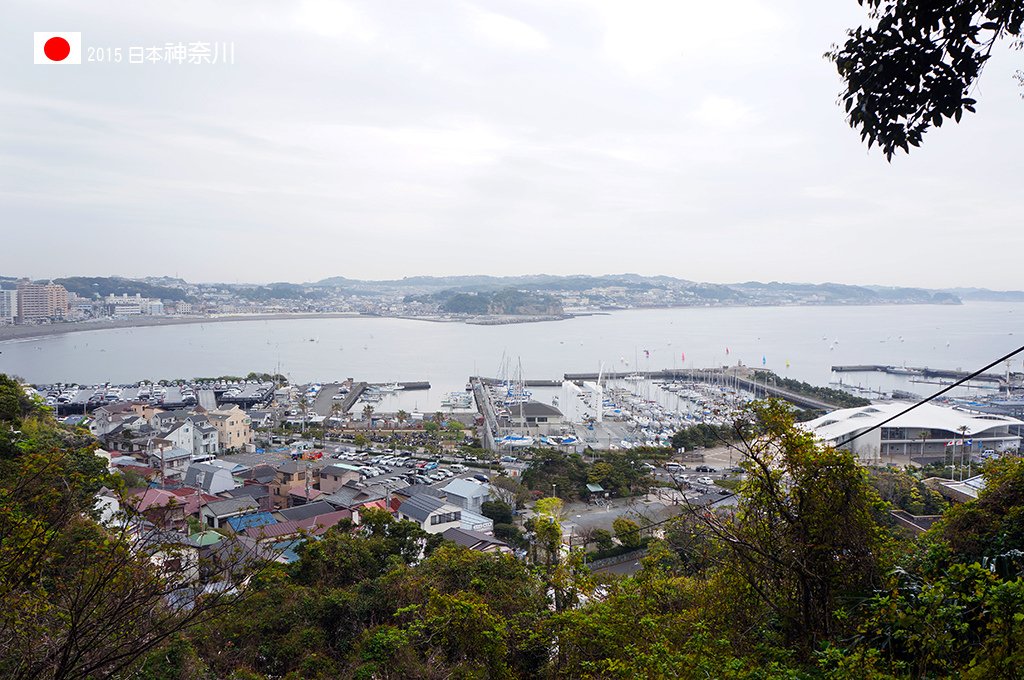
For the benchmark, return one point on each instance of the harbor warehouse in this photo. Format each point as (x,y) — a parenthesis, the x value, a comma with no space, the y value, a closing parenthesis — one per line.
(926,431)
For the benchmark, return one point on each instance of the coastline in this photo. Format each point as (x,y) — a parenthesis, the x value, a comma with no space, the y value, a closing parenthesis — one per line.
(8,333)
(15,333)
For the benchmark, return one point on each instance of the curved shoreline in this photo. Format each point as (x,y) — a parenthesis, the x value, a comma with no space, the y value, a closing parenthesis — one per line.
(31,332)
(14,333)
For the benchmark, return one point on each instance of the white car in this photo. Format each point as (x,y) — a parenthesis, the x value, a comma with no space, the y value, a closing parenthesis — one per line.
(706,481)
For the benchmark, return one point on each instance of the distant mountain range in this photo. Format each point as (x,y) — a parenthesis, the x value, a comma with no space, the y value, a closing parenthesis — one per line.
(665,290)
(751,292)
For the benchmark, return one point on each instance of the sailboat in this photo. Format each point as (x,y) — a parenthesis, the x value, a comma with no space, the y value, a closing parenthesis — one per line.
(635,376)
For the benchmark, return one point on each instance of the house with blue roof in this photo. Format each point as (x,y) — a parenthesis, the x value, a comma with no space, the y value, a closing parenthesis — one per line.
(256,519)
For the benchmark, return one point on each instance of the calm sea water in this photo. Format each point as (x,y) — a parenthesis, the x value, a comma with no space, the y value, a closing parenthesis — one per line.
(810,339)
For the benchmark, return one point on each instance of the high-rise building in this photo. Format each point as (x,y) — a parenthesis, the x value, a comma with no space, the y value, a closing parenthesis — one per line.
(8,306)
(38,301)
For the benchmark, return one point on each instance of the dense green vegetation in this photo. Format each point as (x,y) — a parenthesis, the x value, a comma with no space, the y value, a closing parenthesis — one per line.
(805,578)
(567,476)
(101,286)
(907,492)
(703,435)
(829,395)
(275,291)
(504,301)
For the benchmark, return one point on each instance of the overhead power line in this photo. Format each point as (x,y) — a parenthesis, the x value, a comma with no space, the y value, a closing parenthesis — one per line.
(924,401)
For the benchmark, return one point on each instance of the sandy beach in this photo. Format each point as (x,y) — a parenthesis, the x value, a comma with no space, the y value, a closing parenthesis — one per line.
(25,332)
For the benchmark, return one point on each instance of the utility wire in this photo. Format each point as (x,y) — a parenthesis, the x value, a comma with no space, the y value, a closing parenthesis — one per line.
(934,396)
(873,427)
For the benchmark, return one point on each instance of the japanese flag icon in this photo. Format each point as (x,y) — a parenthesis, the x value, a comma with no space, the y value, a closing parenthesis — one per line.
(57,48)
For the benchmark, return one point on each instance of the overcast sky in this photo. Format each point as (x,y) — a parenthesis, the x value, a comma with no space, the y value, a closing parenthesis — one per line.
(386,139)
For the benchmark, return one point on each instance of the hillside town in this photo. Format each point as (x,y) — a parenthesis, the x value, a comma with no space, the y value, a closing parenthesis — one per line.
(25,301)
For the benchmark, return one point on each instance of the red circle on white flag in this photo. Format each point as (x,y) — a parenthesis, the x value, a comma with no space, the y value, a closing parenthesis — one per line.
(57,49)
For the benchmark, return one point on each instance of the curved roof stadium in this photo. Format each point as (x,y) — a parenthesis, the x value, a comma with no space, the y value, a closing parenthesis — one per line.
(941,423)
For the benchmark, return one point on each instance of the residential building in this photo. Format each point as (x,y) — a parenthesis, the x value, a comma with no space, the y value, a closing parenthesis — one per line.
(217,513)
(333,477)
(467,494)
(291,475)
(205,437)
(132,305)
(41,301)
(474,540)
(260,492)
(472,521)
(351,497)
(181,435)
(314,525)
(8,306)
(171,462)
(305,511)
(432,514)
(160,507)
(209,478)
(233,426)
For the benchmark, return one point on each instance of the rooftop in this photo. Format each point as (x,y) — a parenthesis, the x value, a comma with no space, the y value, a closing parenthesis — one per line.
(848,421)
(466,488)
(421,506)
(232,506)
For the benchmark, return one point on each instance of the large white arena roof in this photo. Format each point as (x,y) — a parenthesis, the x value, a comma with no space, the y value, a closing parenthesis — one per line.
(849,421)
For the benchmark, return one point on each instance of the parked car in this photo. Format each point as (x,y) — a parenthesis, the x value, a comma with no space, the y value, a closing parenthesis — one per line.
(706,481)
(481,478)
(705,468)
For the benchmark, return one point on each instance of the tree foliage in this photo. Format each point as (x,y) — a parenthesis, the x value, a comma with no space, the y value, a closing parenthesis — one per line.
(914,67)
(801,579)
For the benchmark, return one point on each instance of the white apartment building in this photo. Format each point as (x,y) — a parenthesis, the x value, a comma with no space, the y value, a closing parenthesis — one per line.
(8,306)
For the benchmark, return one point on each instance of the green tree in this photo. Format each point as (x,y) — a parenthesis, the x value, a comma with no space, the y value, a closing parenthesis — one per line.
(83,599)
(916,65)
(603,539)
(498,511)
(628,532)
(806,534)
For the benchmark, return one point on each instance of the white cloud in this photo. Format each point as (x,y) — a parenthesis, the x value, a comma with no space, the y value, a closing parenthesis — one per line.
(724,112)
(507,32)
(643,36)
(334,19)
(548,135)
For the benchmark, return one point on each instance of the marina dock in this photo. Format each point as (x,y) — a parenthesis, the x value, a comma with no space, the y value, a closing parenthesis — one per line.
(713,375)
(1016,379)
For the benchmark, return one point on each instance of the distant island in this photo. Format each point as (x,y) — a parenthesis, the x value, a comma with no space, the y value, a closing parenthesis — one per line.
(111,302)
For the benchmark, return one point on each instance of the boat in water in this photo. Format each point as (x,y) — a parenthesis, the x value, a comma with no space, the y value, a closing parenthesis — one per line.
(457,400)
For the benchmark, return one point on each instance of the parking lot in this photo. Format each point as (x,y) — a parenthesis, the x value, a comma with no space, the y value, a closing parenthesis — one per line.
(400,468)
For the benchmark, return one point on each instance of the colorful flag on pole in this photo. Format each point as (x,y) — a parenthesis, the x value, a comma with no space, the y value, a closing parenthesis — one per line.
(683,356)
(764,360)
(727,351)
